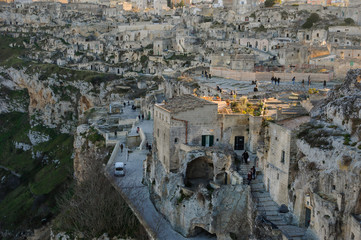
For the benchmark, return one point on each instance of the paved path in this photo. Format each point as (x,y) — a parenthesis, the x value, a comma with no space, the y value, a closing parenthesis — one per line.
(245,87)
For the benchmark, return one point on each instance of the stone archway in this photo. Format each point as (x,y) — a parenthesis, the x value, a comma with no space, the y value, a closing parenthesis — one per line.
(200,171)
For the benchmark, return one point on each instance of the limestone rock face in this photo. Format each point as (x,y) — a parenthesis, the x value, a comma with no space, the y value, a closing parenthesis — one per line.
(343,105)
(327,177)
(9,102)
(86,152)
(52,99)
(198,196)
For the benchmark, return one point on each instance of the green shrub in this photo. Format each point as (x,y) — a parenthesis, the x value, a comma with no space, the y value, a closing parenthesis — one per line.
(269,3)
(311,20)
(349,21)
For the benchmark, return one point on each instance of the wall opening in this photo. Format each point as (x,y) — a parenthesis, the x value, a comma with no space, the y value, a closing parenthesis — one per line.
(201,232)
(199,172)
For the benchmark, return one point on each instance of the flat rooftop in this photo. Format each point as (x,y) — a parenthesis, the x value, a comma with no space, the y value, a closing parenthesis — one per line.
(184,103)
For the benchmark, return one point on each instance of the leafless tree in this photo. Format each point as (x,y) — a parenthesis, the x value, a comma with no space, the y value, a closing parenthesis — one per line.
(95,207)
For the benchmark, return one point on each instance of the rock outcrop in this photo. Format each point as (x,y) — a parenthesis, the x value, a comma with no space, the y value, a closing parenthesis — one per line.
(327,178)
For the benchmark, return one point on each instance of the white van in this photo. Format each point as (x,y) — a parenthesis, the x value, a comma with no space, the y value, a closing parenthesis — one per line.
(119,169)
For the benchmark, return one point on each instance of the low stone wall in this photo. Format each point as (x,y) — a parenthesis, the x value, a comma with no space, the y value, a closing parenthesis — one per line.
(235,178)
(266,76)
(142,138)
(232,74)
(114,153)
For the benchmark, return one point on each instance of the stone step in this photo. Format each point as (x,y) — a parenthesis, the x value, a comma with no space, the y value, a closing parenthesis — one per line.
(271,213)
(264,199)
(262,194)
(274,218)
(292,232)
(267,203)
(279,223)
(268,208)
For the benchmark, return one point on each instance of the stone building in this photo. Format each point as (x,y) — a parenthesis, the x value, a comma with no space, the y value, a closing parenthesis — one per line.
(194,153)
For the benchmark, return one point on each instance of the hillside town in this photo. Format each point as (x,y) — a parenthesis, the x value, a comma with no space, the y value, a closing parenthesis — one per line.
(210,119)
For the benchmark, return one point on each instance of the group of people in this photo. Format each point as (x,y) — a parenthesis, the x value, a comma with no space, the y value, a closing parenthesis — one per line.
(251,173)
(208,75)
(141,117)
(275,80)
(126,104)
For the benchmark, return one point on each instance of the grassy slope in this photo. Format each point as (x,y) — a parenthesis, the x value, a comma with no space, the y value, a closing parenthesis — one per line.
(20,207)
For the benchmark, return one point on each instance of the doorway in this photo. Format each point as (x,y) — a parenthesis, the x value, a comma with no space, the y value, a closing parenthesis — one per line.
(207,140)
(307,217)
(239,143)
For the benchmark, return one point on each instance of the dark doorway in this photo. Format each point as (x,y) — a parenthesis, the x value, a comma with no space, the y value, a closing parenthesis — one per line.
(307,217)
(239,143)
(207,140)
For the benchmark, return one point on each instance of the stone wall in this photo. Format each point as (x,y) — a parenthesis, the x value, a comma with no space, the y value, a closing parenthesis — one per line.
(276,170)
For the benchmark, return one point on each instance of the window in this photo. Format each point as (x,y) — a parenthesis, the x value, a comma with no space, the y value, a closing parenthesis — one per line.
(175,140)
(283,157)
(207,140)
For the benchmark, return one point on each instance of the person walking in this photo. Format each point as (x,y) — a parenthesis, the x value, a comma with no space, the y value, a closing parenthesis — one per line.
(324,83)
(278,81)
(293,80)
(253,172)
(249,177)
(142,116)
(272,79)
(245,156)
(309,80)
(121,147)
(303,82)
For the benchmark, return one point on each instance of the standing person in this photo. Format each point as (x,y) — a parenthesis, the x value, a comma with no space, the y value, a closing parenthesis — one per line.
(309,80)
(121,147)
(249,177)
(253,172)
(147,145)
(324,83)
(303,82)
(150,148)
(245,156)
(272,80)
(278,81)
(293,80)
(124,104)
(143,116)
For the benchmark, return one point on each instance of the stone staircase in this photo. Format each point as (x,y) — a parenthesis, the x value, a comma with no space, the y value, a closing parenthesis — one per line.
(269,210)
(266,207)
(149,137)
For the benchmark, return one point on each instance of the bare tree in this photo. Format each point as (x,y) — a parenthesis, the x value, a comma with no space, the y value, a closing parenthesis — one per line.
(96,207)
